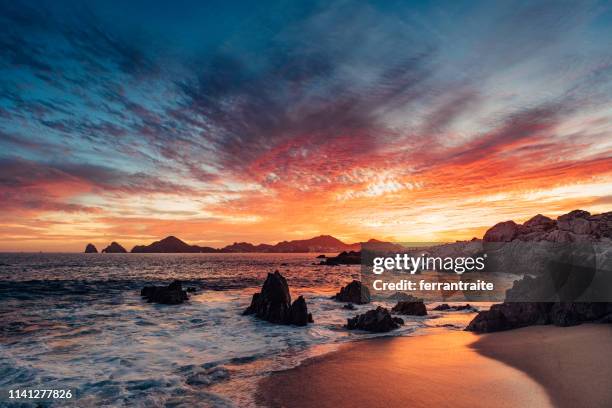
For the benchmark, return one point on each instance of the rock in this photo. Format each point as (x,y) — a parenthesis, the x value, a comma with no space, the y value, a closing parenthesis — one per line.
(349,306)
(445,307)
(191,289)
(172,294)
(354,292)
(321,256)
(114,248)
(410,308)
(507,316)
(377,320)
(171,244)
(502,232)
(513,314)
(540,222)
(91,249)
(345,258)
(273,303)
(298,313)
(572,314)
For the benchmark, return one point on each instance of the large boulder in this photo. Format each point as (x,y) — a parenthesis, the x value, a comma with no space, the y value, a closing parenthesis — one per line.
(502,232)
(540,222)
(173,294)
(91,249)
(114,248)
(410,308)
(354,292)
(273,303)
(377,320)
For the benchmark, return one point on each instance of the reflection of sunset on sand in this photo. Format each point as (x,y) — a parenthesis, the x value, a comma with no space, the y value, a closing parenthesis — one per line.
(421,371)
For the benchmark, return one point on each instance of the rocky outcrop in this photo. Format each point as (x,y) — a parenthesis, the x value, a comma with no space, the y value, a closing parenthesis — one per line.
(91,249)
(354,292)
(114,248)
(445,307)
(410,308)
(512,315)
(377,320)
(173,294)
(344,258)
(273,303)
(575,226)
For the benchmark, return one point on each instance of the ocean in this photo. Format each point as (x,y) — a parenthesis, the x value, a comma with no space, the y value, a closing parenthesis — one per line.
(77,321)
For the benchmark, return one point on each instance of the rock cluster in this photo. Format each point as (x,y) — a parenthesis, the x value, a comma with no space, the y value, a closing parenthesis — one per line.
(414,308)
(91,249)
(273,303)
(575,226)
(377,320)
(173,294)
(354,292)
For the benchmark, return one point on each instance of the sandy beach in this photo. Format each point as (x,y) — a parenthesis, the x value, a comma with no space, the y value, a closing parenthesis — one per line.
(535,367)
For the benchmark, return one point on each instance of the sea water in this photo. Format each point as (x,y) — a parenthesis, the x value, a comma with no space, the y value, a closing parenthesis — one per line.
(77,321)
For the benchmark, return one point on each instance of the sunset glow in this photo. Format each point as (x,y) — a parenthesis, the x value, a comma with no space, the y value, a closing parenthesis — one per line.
(285,121)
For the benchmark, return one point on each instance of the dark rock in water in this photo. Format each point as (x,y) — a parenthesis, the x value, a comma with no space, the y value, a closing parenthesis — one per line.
(410,308)
(273,303)
(354,292)
(191,289)
(114,248)
(445,306)
(172,294)
(321,256)
(349,306)
(377,320)
(345,258)
(91,249)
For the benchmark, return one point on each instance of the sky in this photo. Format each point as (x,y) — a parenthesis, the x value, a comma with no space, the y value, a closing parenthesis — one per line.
(266,121)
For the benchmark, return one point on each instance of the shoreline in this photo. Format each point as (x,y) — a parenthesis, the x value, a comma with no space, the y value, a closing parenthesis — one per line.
(460,369)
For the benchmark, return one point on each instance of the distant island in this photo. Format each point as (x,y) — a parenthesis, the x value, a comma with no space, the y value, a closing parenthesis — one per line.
(172,244)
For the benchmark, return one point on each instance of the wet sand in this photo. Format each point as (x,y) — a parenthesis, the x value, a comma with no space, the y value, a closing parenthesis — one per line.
(574,364)
(535,367)
(437,370)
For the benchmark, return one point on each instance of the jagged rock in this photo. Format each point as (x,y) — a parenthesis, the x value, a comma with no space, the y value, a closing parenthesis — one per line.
(442,307)
(273,303)
(349,306)
(410,308)
(321,256)
(91,249)
(377,320)
(354,292)
(114,248)
(173,294)
(344,258)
